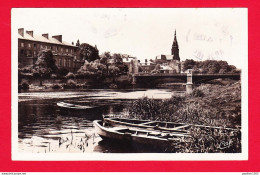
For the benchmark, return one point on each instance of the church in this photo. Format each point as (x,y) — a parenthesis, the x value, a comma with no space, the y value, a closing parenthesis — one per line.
(170,63)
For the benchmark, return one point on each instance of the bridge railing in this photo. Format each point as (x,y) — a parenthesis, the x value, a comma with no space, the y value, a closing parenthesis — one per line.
(184,74)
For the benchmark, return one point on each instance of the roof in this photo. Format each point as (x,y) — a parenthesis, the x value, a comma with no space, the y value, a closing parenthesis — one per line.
(43,39)
(165,57)
(166,68)
(128,60)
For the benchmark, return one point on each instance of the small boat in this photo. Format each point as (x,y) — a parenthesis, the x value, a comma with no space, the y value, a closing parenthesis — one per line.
(136,137)
(156,125)
(78,110)
(72,106)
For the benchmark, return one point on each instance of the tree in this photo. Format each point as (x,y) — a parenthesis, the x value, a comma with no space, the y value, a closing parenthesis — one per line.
(44,66)
(113,71)
(88,52)
(188,64)
(105,59)
(92,69)
(117,59)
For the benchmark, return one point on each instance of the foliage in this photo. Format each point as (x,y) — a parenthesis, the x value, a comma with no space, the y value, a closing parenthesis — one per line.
(70,75)
(107,66)
(117,59)
(56,86)
(209,105)
(188,64)
(207,140)
(71,84)
(62,72)
(45,64)
(105,59)
(197,93)
(209,66)
(92,69)
(25,85)
(88,52)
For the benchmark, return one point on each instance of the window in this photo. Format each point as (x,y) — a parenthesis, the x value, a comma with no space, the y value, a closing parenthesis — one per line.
(35,45)
(65,62)
(61,49)
(67,50)
(41,46)
(22,44)
(34,53)
(51,47)
(21,51)
(68,63)
(60,62)
(29,45)
(29,53)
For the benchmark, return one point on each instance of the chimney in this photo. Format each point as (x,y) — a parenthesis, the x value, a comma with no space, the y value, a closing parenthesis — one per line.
(21,31)
(30,33)
(58,37)
(45,35)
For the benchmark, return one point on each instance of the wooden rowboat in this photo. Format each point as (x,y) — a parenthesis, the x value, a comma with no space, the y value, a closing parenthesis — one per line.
(78,110)
(136,137)
(156,125)
(72,106)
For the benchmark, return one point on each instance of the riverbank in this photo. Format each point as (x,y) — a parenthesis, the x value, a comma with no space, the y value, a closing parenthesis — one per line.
(122,81)
(208,105)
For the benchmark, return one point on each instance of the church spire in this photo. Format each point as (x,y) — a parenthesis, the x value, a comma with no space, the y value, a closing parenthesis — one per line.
(175,48)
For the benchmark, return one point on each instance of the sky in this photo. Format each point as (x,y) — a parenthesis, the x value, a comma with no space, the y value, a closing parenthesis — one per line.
(204,33)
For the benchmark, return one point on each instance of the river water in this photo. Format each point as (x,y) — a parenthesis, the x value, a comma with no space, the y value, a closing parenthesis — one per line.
(44,128)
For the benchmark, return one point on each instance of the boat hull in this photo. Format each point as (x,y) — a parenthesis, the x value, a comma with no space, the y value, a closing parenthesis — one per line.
(135,138)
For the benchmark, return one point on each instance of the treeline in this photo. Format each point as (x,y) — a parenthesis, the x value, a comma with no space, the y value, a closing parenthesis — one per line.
(209,67)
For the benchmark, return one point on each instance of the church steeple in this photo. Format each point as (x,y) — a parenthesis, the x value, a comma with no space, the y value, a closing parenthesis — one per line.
(175,48)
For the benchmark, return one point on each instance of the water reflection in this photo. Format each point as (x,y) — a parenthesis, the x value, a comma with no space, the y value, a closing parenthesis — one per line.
(44,127)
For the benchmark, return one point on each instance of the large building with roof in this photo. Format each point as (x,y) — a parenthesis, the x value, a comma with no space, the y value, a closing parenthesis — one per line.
(29,45)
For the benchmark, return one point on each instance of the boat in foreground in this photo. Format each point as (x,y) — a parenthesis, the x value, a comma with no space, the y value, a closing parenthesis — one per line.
(157,125)
(135,137)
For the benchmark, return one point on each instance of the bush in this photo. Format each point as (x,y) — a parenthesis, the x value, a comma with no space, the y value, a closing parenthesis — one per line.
(56,86)
(25,85)
(71,84)
(113,86)
(62,72)
(70,75)
(197,93)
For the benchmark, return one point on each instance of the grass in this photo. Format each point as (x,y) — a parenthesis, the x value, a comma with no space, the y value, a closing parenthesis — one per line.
(208,105)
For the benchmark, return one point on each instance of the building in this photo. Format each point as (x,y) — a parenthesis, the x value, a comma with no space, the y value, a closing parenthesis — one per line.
(175,48)
(29,45)
(170,63)
(147,66)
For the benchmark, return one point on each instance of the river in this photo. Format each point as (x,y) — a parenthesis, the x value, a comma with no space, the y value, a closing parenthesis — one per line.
(44,128)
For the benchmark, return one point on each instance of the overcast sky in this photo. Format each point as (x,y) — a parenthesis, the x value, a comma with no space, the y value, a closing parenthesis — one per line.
(202,34)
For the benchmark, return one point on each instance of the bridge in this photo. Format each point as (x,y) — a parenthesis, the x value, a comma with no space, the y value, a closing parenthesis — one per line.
(187,78)
(183,76)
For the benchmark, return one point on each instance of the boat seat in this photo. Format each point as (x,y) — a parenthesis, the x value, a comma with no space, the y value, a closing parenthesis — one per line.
(146,123)
(180,127)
